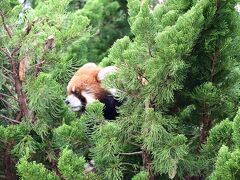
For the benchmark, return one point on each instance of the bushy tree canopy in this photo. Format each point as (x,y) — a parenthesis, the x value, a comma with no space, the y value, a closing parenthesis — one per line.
(178,80)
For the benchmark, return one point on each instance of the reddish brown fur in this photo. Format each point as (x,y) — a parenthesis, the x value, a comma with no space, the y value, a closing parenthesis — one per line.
(86,79)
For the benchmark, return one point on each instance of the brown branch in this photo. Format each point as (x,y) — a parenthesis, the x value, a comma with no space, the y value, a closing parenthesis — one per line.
(2,177)
(217,3)
(9,78)
(9,119)
(6,95)
(7,103)
(206,120)
(146,156)
(21,95)
(19,116)
(38,67)
(9,90)
(147,164)
(8,163)
(214,61)
(7,52)
(206,124)
(134,144)
(7,70)
(15,50)
(6,27)
(132,153)
(48,45)
(22,99)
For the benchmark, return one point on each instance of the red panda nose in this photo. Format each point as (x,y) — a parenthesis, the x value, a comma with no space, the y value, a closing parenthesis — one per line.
(66,101)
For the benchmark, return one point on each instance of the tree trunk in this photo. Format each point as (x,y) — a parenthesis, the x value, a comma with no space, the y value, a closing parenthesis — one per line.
(22,98)
(147,164)
(7,163)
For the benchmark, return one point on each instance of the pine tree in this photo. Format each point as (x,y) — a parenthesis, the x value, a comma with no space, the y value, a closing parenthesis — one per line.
(40,51)
(178,77)
(178,80)
(227,164)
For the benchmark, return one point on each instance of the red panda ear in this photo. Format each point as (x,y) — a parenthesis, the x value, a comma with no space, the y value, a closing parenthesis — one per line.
(105,71)
(89,65)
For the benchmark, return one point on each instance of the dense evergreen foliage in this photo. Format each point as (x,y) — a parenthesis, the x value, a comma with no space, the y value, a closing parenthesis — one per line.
(178,78)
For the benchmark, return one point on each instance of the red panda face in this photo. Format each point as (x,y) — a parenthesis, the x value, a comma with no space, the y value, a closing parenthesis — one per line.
(85,86)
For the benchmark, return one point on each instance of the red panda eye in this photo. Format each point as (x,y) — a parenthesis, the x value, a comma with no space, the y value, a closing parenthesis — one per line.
(75,93)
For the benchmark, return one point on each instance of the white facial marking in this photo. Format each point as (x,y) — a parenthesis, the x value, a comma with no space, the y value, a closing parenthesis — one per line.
(105,71)
(74,102)
(73,89)
(88,96)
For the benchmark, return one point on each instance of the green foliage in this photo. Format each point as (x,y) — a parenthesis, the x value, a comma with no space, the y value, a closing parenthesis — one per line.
(108,21)
(236,131)
(72,135)
(72,166)
(227,165)
(76,134)
(25,147)
(43,93)
(13,132)
(52,40)
(178,78)
(142,175)
(159,62)
(222,144)
(34,171)
(133,9)
(116,51)
(219,135)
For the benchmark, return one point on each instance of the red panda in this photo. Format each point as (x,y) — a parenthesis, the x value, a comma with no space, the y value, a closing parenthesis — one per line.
(85,87)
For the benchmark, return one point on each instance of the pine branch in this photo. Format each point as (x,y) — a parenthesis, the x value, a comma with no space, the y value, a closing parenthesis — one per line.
(132,143)
(6,95)
(9,119)
(146,157)
(6,27)
(8,163)
(214,61)
(7,103)
(147,164)
(22,98)
(48,45)
(132,153)
(19,116)
(9,78)
(206,124)
(10,92)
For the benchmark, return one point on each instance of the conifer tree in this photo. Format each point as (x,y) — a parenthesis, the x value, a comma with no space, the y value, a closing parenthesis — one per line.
(174,77)
(40,51)
(178,80)
(227,164)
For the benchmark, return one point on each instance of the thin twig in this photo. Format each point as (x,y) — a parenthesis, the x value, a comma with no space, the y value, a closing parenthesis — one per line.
(132,153)
(135,144)
(6,51)
(6,95)
(7,70)
(9,119)
(8,78)
(9,90)
(7,103)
